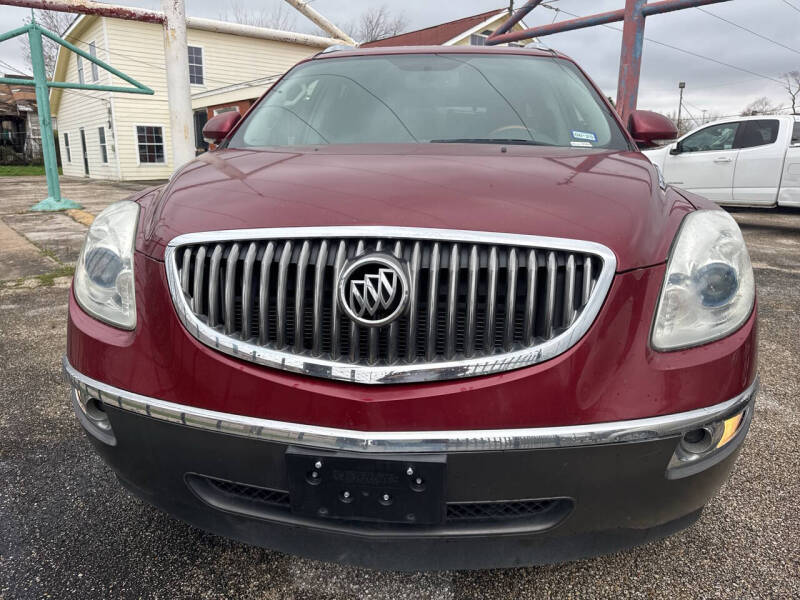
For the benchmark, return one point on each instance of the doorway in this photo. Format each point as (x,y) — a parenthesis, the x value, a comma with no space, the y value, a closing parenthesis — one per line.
(85,153)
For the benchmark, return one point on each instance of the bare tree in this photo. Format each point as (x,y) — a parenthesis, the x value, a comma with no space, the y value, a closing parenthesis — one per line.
(760,106)
(791,83)
(57,22)
(376,23)
(278,16)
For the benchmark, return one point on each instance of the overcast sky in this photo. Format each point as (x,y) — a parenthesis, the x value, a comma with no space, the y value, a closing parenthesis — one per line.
(709,86)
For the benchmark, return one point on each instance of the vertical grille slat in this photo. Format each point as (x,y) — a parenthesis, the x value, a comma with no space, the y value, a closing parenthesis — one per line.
(187,263)
(299,295)
(468,300)
(247,290)
(230,288)
(569,292)
(354,333)
(529,325)
(452,308)
(199,271)
(213,286)
(283,270)
(341,255)
(587,279)
(264,293)
(550,295)
(394,327)
(491,301)
(472,303)
(433,292)
(319,283)
(416,257)
(511,298)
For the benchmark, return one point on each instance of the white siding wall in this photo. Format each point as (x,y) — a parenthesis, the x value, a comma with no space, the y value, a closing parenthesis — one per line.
(137,50)
(88,110)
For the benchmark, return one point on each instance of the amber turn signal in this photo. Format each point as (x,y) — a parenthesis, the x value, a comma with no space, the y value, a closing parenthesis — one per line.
(731,426)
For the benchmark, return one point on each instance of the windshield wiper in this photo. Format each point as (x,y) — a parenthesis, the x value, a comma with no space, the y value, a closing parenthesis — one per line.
(510,141)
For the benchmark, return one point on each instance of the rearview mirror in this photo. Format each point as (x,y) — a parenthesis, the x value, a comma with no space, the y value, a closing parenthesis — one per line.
(646,127)
(219,126)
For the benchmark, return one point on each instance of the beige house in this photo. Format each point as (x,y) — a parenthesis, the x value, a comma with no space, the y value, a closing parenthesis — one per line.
(111,135)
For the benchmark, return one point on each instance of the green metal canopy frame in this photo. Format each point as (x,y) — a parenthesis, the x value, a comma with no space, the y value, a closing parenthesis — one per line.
(54,201)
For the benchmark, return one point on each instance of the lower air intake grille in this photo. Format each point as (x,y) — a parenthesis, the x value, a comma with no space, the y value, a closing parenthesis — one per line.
(498,511)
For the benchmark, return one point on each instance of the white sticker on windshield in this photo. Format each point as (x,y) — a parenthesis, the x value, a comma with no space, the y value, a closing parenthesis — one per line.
(581,144)
(584,135)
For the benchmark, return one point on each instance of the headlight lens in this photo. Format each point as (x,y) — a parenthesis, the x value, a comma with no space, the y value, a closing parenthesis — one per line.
(708,289)
(104,275)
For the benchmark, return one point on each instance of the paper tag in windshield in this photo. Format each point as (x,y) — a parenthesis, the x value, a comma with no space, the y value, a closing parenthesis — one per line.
(581,144)
(584,135)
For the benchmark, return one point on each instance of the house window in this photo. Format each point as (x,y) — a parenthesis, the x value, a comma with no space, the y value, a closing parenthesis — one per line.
(195,65)
(66,147)
(150,141)
(93,52)
(80,70)
(477,39)
(101,134)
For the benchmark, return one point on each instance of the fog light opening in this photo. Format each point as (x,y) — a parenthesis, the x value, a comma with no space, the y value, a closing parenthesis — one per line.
(97,414)
(698,441)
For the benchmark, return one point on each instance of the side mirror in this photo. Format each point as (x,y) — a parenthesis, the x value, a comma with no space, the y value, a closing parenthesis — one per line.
(646,127)
(676,149)
(216,128)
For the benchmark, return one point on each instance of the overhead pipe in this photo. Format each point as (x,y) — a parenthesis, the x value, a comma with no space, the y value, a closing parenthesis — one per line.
(321,22)
(261,32)
(656,8)
(514,18)
(89,7)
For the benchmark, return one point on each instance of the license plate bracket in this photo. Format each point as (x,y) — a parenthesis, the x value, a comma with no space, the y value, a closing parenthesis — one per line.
(406,489)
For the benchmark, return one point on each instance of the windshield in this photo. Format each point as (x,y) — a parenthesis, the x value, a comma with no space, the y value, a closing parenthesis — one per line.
(439,98)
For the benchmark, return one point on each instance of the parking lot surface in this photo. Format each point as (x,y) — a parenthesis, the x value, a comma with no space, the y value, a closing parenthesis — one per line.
(68,530)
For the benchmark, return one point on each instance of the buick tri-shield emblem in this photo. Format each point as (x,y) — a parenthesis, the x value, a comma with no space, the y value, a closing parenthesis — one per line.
(373,289)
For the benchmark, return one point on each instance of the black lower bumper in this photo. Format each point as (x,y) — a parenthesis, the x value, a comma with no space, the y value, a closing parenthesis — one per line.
(563,503)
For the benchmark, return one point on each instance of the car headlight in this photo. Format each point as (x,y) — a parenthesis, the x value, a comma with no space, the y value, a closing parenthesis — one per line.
(708,289)
(103,281)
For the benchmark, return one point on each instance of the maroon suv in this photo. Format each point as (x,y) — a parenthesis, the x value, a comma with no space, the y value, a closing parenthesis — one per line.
(423,308)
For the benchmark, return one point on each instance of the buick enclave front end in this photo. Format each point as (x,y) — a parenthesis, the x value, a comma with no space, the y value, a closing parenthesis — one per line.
(422,309)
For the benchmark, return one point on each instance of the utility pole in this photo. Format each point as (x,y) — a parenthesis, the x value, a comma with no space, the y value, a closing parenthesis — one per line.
(176,54)
(681,85)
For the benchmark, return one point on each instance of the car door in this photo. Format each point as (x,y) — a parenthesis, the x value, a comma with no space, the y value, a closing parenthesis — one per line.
(704,162)
(759,164)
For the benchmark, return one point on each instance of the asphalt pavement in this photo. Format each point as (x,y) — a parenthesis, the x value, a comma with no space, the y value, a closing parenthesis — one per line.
(69,530)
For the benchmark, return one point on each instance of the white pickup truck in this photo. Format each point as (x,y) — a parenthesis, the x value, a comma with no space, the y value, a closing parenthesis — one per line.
(744,161)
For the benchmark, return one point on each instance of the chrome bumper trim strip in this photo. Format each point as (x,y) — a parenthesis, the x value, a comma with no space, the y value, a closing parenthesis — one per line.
(328,438)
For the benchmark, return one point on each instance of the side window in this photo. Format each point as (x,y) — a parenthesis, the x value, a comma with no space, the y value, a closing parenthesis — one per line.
(796,134)
(758,133)
(716,137)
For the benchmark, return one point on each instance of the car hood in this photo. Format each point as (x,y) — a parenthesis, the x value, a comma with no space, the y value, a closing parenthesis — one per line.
(612,198)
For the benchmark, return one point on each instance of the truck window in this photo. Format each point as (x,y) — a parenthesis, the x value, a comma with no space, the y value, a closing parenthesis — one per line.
(716,137)
(758,133)
(796,134)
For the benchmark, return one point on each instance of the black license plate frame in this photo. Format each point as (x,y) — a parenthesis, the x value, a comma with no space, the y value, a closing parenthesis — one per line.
(407,489)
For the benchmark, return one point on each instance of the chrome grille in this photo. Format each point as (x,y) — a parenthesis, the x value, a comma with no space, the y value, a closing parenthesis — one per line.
(479,302)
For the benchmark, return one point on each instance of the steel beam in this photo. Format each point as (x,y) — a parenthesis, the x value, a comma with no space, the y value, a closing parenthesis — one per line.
(88,7)
(630,60)
(513,19)
(656,8)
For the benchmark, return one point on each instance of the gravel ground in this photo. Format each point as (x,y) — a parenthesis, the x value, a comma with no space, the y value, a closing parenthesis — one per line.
(68,530)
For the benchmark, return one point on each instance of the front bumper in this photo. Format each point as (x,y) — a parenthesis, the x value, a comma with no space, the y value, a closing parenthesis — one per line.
(566,492)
